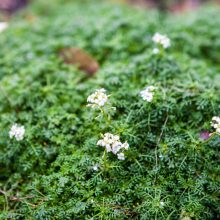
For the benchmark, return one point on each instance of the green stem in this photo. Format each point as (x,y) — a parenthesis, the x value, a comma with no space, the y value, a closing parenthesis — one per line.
(106,117)
(104,159)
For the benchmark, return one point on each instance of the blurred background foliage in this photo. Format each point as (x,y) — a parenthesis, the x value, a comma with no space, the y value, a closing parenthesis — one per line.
(10,6)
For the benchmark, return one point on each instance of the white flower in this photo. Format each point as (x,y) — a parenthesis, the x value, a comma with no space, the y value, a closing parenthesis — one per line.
(162,203)
(116,146)
(121,156)
(101,143)
(17,132)
(113,144)
(95,167)
(161,39)
(215,123)
(147,94)
(125,145)
(97,99)
(3,26)
(108,148)
(156,51)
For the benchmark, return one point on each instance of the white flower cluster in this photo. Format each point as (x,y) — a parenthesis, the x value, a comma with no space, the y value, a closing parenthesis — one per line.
(148,93)
(97,99)
(216,123)
(17,132)
(162,40)
(3,26)
(113,144)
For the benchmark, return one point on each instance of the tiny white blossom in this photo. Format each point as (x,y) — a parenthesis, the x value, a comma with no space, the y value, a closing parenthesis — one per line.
(121,156)
(95,167)
(156,51)
(17,132)
(113,144)
(162,203)
(161,156)
(3,26)
(215,123)
(116,146)
(148,93)
(161,39)
(98,98)
(125,145)
(108,148)
(101,143)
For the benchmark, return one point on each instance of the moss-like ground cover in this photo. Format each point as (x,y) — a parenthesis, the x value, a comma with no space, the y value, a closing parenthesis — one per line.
(169,171)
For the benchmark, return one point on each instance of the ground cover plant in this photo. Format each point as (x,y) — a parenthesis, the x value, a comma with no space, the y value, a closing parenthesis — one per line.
(135,141)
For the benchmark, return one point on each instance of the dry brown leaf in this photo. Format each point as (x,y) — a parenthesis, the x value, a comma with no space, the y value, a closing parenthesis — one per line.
(80,58)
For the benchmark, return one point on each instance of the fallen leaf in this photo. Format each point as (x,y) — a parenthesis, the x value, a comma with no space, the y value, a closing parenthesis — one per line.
(80,58)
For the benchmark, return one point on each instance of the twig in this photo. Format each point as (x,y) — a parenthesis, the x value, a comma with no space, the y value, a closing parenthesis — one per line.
(22,199)
(14,198)
(158,142)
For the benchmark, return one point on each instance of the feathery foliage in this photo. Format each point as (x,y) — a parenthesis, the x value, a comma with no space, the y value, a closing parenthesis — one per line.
(169,171)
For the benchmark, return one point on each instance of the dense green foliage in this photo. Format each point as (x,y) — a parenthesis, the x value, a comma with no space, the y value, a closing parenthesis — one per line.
(169,171)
